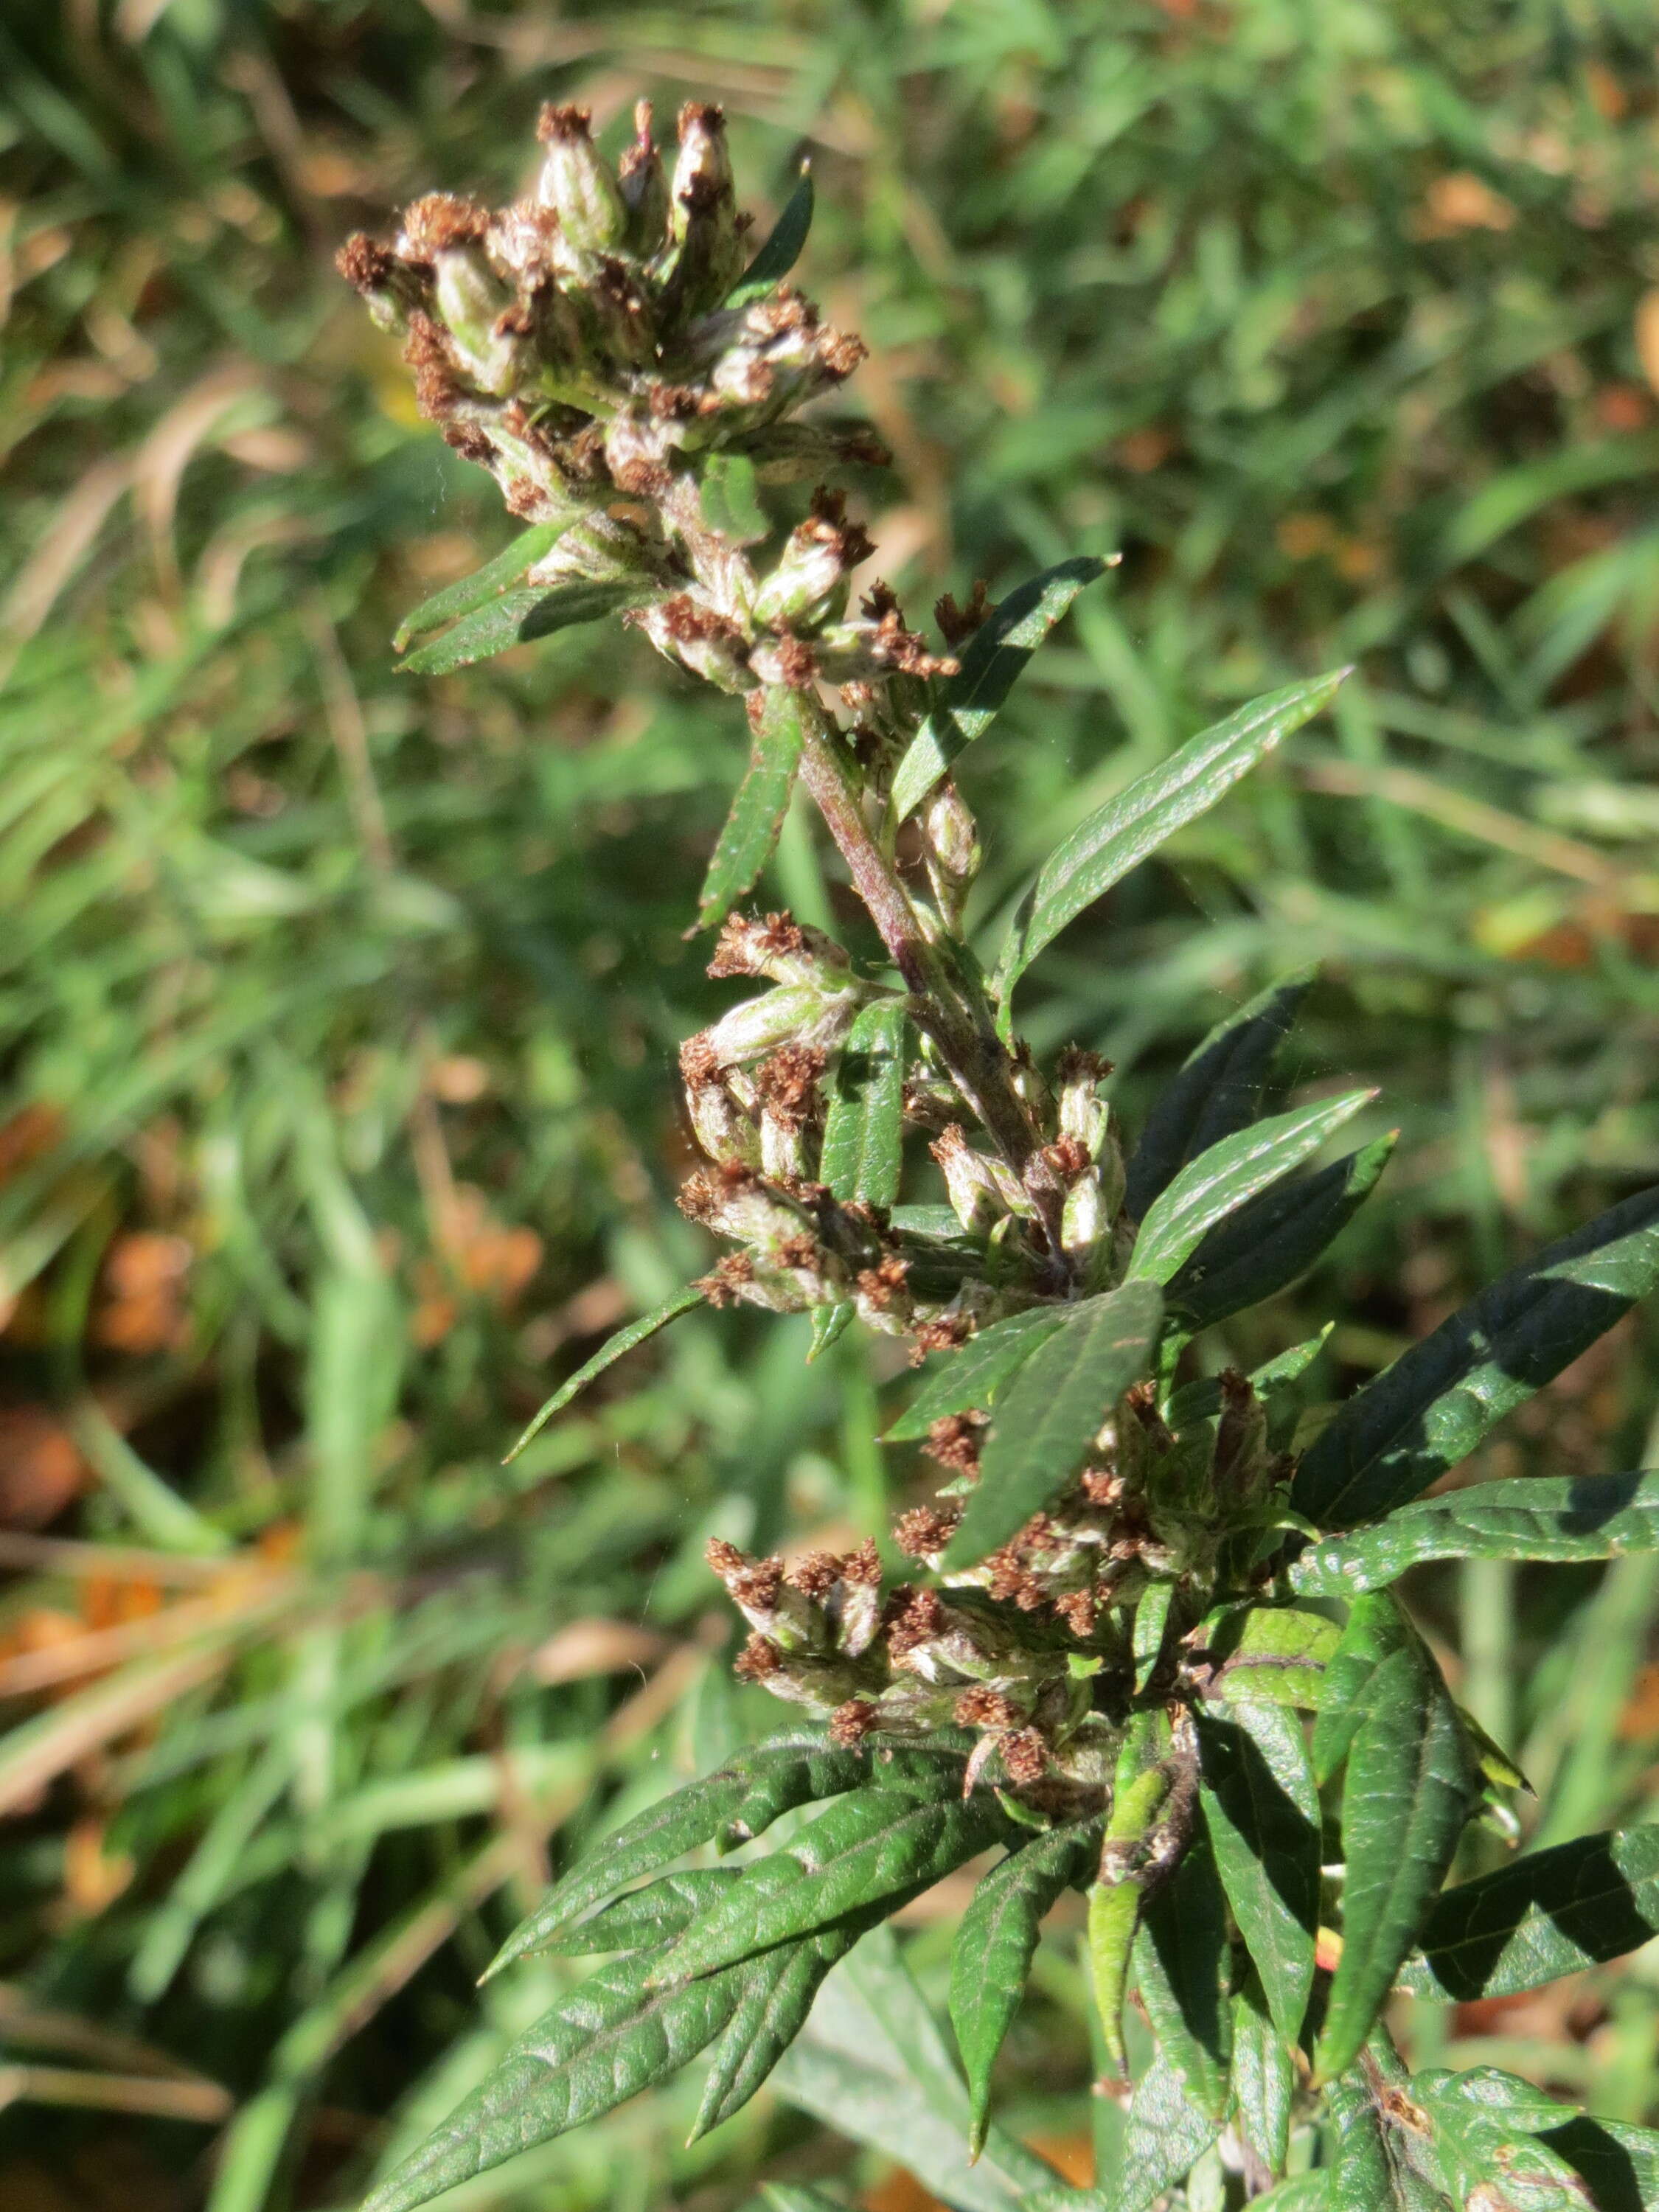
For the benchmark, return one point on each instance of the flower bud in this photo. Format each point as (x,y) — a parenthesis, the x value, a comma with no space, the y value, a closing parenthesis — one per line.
(1081,1221)
(576,184)
(702,216)
(782,949)
(794,1014)
(810,581)
(481,315)
(953,849)
(1082,1113)
(981,1189)
(644,188)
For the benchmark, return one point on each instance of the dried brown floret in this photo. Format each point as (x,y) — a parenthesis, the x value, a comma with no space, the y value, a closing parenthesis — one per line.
(814,1574)
(862,1566)
(800,1251)
(366,264)
(1066,1158)
(955,624)
(744,944)
(851,1723)
(954,1442)
(727,1280)
(1077,1610)
(689,621)
(440,221)
(469,441)
(725,1558)
(788,1083)
(699,1061)
(1025,1756)
(917,1617)
(758,1584)
(560,119)
(925,1530)
(642,479)
(1101,1486)
(942,1335)
(983,1708)
(882,1283)
(1077,1064)
(797,662)
(758,1658)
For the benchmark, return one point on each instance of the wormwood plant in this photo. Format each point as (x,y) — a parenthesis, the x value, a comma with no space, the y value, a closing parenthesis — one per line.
(1150,1648)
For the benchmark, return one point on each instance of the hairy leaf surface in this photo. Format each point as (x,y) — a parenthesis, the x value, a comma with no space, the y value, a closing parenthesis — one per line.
(864,1128)
(1181,1962)
(1264,2080)
(779,1988)
(1102,850)
(1046,1421)
(1377,2168)
(1262,1807)
(1431,1409)
(1225,1178)
(1375,1631)
(1166,2136)
(994,1945)
(1485,2124)
(1217,1091)
(1620,2163)
(1593,1517)
(973,1375)
(1272,1655)
(1551,1913)
(752,828)
(991,663)
(646,1917)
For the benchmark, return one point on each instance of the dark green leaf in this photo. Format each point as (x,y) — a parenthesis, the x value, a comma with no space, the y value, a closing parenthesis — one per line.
(1432,1407)
(1377,2166)
(517,617)
(829,1324)
(1166,2137)
(1227,1177)
(1264,2080)
(1594,1516)
(1102,849)
(602,2043)
(995,1942)
(1196,1402)
(483,585)
(1046,1421)
(864,1130)
(608,1352)
(1277,1236)
(1262,1810)
(973,1375)
(867,1846)
(1180,1963)
(649,1917)
(1218,1091)
(991,662)
(1484,2126)
(1620,2163)
(799,1768)
(778,1990)
(780,248)
(752,828)
(1272,1655)
(1550,1914)
(1411,1782)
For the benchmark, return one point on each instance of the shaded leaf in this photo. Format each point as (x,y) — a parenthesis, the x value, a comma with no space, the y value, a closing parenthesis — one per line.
(519,617)
(1262,1807)
(864,1129)
(1102,849)
(1432,1408)
(1620,2163)
(1180,1963)
(1485,2125)
(779,249)
(1046,1421)
(1551,1913)
(1532,1517)
(608,1352)
(483,585)
(994,1944)
(973,1375)
(1218,1090)
(1303,2192)
(1227,1177)
(965,704)
(867,1846)
(1410,1784)
(1165,2137)
(1263,2080)
(745,845)
(1196,1402)
(1276,1236)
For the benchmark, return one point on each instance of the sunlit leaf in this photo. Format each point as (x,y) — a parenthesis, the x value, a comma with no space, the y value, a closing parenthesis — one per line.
(745,845)
(483,585)
(864,1128)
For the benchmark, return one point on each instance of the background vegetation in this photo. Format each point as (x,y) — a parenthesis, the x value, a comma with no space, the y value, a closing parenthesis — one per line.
(338,1007)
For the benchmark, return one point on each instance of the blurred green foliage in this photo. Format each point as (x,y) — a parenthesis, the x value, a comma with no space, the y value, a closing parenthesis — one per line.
(339,1008)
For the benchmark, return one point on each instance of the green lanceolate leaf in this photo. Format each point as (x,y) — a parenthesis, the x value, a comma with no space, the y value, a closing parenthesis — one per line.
(1180,1963)
(519,617)
(1146,1639)
(608,1352)
(1485,2125)
(1552,1913)
(994,1945)
(605,2042)
(1262,1807)
(1263,2080)
(1104,849)
(1593,1517)
(752,828)
(483,585)
(779,1988)
(1438,1401)
(1620,2163)
(780,248)
(829,1324)
(1165,2137)
(1275,1237)
(870,1845)
(966,703)
(1218,1091)
(728,496)
(1378,2167)
(1303,2192)
(648,1917)
(1272,1655)
(1196,1402)
(1411,1782)
(1376,1630)
(864,1130)
(1046,1421)
(1226,1177)
(799,1768)
(973,1375)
